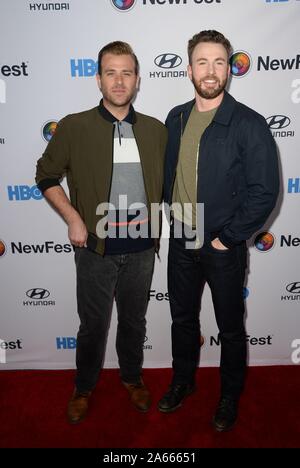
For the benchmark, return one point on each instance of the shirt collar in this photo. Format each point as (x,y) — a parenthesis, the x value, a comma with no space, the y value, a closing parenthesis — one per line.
(130,117)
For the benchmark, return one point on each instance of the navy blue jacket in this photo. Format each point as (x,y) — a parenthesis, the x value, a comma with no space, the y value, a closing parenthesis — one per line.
(238,177)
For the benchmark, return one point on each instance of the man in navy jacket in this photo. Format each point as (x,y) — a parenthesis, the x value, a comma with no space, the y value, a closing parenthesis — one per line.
(222,155)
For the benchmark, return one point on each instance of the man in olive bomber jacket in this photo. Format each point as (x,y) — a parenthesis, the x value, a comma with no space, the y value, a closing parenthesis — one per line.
(109,154)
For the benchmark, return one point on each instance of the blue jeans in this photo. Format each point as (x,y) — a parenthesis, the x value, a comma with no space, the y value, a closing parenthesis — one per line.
(224,271)
(128,278)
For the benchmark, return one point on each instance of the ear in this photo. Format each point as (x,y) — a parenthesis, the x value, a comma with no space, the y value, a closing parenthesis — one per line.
(98,79)
(190,73)
(138,81)
(229,70)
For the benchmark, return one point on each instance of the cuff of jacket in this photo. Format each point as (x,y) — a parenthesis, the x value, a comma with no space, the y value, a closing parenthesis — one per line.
(47,183)
(227,241)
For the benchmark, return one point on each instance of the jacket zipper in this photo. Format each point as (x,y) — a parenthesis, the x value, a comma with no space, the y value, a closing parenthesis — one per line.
(147,195)
(174,177)
(144,179)
(111,173)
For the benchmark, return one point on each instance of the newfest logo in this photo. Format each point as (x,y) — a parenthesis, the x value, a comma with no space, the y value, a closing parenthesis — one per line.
(14,70)
(58,6)
(167,63)
(5,345)
(240,63)
(295,356)
(264,241)
(48,130)
(37,297)
(127,5)
(123,5)
(289,241)
(252,340)
(294,290)
(10,71)
(2,248)
(158,296)
(277,123)
(45,248)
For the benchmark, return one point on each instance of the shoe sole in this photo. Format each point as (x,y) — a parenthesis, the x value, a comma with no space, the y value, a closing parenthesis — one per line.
(163,410)
(220,429)
(75,421)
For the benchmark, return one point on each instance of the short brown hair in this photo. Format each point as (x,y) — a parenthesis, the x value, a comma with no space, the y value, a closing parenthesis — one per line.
(117,48)
(208,36)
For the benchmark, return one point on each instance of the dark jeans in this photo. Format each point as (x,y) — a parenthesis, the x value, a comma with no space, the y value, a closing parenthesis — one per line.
(224,271)
(99,279)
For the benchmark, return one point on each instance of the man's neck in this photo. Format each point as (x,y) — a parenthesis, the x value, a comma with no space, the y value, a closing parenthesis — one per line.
(204,105)
(118,112)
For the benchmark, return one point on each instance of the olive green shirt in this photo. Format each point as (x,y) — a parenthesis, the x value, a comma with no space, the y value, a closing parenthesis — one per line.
(185,185)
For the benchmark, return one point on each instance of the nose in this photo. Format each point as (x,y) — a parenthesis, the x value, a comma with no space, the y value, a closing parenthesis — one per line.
(119,79)
(211,68)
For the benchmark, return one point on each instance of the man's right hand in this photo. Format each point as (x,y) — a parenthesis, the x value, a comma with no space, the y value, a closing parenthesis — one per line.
(77,232)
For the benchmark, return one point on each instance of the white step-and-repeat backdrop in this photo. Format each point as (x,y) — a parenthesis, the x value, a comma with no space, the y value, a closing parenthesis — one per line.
(48,60)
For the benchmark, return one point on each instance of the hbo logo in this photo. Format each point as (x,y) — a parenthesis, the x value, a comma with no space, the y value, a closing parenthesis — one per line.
(23,192)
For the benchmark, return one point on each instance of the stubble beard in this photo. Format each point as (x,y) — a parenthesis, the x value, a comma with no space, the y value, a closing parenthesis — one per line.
(210,93)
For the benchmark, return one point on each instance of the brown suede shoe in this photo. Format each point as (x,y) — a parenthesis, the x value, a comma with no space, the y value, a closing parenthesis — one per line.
(139,395)
(78,406)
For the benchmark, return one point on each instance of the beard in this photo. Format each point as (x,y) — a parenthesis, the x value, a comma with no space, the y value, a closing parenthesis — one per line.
(210,93)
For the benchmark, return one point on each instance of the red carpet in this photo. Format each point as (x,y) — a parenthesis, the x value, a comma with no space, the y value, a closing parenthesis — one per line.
(33,406)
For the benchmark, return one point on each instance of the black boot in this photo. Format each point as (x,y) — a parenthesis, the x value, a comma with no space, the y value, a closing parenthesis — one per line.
(226,414)
(174,397)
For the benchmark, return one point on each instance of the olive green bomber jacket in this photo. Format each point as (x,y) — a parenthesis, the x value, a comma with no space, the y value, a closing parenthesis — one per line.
(82,149)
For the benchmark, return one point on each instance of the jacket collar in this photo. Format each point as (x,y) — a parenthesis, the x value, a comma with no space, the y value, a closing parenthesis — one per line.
(225,110)
(130,117)
(223,114)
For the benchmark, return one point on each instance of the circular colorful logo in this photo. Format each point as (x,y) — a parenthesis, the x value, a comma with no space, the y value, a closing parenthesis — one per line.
(245,293)
(264,241)
(123,5)
(2,249)
(48,130)
(240,63)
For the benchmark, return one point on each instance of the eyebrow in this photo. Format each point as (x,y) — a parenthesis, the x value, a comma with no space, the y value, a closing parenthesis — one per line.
(205,59)
(123,70)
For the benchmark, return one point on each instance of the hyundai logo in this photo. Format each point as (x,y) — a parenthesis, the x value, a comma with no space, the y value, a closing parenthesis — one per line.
(168,61)
(278,121)
(37,293)
(293,288)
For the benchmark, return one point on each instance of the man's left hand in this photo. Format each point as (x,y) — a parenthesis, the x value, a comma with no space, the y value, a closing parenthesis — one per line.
(217,244)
